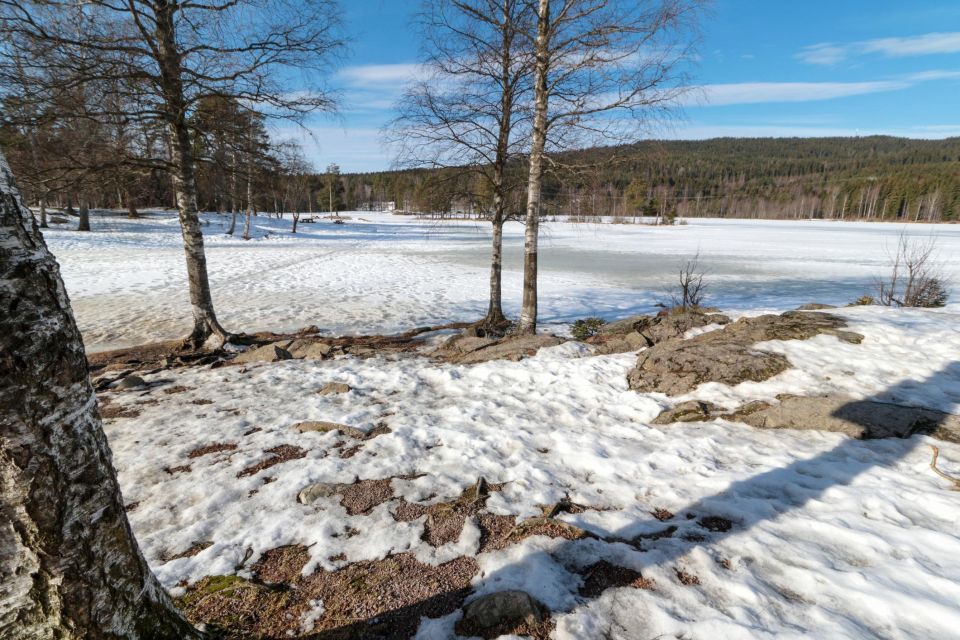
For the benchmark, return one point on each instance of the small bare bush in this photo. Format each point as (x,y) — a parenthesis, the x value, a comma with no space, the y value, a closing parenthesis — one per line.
(915,278)
(586,328)
(691,287)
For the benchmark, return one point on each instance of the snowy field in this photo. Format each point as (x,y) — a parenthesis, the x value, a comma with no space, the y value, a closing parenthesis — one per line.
(384,273)
(830,537)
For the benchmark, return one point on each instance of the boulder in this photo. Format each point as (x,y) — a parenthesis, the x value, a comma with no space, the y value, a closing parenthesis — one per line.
(272,352)
(500,613)
(130,382)
(640,332)
(728,355)
(310,349)
(862,419)
(334,388)
(815,306)
(325,427)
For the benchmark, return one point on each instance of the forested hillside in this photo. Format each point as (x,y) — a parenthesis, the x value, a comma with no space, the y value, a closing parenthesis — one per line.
(849,178)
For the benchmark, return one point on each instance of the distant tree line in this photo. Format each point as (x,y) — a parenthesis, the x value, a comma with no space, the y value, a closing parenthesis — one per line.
(871,178)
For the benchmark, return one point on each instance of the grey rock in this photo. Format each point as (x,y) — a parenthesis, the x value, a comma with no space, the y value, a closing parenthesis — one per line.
(310,349)
(313,492)
(267,353)
(502,609)
(728,356)
(815,306)
(467,350)
(334,388)
(321,426)
(640,332)
(862,419)
(689,411)
(131,382)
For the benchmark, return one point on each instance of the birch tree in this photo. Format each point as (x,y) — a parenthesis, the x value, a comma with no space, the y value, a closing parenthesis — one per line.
(69,565)
(603,69)
(174,54)
(467,110)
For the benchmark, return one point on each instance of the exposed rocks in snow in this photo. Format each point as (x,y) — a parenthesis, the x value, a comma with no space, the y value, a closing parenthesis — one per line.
(815,306)
(503,613)
(728,355)
(322,426)
(273,352)
(639,332)
(862,419)
(130,382)
(689,411)
(468,349)
(310,349)
(334,388)
(313,492)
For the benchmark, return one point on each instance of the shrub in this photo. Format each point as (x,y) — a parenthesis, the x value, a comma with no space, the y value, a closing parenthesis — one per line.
(915,279)
(863,301)
(586,328)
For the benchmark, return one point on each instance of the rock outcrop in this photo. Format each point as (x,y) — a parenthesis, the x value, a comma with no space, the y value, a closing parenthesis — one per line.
(639,332)
(729,355)
(468,349)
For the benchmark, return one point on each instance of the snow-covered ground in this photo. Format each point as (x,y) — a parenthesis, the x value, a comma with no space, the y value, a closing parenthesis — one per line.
(384,273)
(831,537)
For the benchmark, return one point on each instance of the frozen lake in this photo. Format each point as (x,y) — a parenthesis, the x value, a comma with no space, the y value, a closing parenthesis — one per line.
(388,273)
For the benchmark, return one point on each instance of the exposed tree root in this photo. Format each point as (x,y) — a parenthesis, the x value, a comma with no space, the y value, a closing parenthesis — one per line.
(933,465)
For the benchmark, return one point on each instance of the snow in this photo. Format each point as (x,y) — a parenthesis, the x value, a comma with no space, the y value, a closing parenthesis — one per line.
(387,273)
(831,537)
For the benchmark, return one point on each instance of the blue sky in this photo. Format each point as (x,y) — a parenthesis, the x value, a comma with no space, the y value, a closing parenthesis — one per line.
(766,68)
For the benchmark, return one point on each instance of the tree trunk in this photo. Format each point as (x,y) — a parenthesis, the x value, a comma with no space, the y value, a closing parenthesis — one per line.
(251,210)
(132,212)
(296,219)
(84,224)
(528,310)
(233,221)
(43,213)
(69,565)
(205,320)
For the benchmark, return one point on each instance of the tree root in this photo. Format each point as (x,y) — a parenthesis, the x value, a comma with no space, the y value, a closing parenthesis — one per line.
(933,465)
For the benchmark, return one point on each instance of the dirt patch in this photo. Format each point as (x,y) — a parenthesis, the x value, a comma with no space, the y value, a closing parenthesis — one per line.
(362,496)
(184,468)
(661,514)
(282,564)
(685,578)
(178,389)
(277,455)
(445,520)
(114,411)
(216,447)
(715,524)
(201,401)
(602,575)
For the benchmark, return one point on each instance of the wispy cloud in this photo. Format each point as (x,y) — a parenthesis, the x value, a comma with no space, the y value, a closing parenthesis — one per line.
(829,53)
(374,75)
(764,92)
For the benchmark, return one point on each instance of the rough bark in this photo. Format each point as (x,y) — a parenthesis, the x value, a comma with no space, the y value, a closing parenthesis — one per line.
(84,223)
(233,220)
(69,565)
(251,210)
(528,310)
(205,321)
(43,213)
(132,212)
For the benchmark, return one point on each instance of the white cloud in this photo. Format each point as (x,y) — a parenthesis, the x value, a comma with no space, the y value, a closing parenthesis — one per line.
(924,76)
(828,53)
(926,44)
(694,131)
(823,53)
(373,75)
(764,92)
